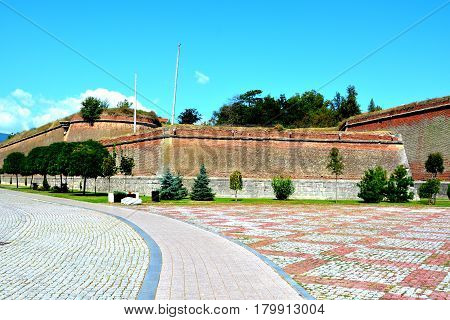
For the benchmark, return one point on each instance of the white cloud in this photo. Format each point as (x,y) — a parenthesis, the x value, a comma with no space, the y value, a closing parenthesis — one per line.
(23,97)
(21,111)
(201,77)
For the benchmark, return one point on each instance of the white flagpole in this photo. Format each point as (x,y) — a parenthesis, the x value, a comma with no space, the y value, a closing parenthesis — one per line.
(135,102)
(175,87)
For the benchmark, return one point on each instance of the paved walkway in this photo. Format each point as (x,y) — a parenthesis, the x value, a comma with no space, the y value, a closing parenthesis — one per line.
(196,264)
(52,252)
(343,252)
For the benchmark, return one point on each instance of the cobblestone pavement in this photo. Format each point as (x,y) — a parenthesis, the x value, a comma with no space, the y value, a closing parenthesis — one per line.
(49,251)
(343,252)
(196,264)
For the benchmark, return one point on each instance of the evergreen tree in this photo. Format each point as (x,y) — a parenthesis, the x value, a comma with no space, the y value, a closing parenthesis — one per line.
(349,106)
(180,191)
(172,187)
(372,107)
(201,190)
(398,186)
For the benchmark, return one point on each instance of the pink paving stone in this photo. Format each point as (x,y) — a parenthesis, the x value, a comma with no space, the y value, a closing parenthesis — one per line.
(424,279)
(383,225)
(439,260)
(391,296)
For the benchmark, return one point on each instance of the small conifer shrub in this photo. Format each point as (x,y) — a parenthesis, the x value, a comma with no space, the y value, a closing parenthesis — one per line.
(372,187)
(201,191)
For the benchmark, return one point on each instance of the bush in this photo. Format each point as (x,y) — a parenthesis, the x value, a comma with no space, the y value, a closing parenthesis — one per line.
(372,187)
(172,187)
(201,190)
(282,187)
(429,189)
(58,189)
(398,186)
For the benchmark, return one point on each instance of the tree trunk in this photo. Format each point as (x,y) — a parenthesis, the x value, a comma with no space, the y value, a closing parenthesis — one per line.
(31,181)
(336,187)
(60,178)
(109,184)
(26,181)
(126,183)
(84,186)
(95,186)
(235,195)
(17,181)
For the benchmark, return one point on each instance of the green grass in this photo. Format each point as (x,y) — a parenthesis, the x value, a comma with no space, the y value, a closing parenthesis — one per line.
(103,198)
(76,195)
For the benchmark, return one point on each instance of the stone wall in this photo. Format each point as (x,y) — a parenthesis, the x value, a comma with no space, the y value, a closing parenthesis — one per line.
(424,127)
(253,188)
(258,153)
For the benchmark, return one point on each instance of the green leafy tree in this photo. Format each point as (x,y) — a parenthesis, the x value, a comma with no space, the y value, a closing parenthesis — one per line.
(109,167)
(448,190)
(372,187)
(86,160)
(125,104)
(349,106)
(434,164)
(172,187)
(372,107)
(201,190)
(25,170)
(126,167)
(92,109)
(54,151)
(282,187)
(38,160)
(429,189)
(236,183)
(398,186)
(13,164)
(336,167)
(189,116)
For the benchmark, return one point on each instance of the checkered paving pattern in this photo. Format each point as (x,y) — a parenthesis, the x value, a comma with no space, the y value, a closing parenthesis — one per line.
(343,252)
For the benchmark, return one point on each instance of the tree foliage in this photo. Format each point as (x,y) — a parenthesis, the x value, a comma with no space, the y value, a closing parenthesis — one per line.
(201,191)
(282,187)
(109,167)
(13,164)
(86,160)
(372,187)
(336,166)
(236,183)
(434,164)
(372,107)
(398,186)
(92,109)
(125,104)
(429,190)
(172,187)
(189,116)
(309,109)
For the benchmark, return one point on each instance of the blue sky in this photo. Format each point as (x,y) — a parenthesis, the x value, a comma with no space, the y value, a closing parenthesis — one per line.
(227,48)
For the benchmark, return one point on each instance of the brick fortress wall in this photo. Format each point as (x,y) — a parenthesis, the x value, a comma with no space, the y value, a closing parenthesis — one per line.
(424,127)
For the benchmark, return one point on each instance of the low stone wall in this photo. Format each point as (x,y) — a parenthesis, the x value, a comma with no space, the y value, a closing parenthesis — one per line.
(253,188)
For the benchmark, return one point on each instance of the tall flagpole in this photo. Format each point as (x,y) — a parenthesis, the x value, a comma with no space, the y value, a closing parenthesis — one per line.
(135,102)
(175,87)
